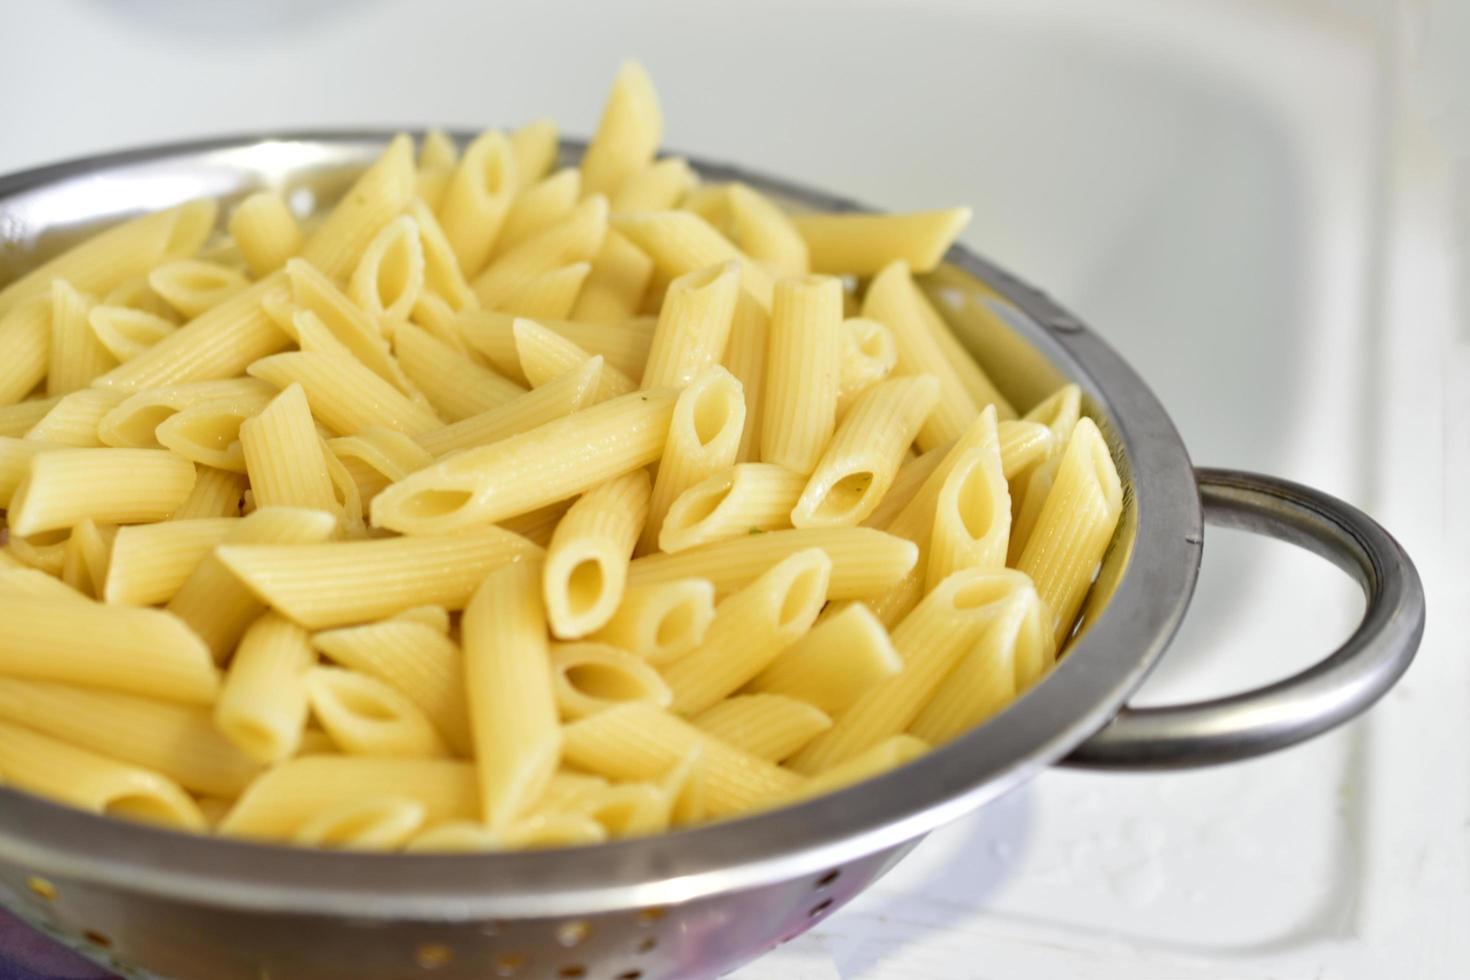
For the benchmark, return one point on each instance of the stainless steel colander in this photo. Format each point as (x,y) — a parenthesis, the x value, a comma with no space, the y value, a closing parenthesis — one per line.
(699,902)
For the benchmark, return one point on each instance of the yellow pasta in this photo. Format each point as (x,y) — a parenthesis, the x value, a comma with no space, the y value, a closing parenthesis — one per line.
(972,517)
(532,469)
(534,147)
(444,280)
(745,357)
(750,629)
(126,332)
(912,475)
(262,707)
(265,231)
(616,283)
(25,336)
(209,433)
(134,293)
(283,455)
(133,422)
(1023,444)
(76,419)
(15,462)
(552,294)
(768,726)
(576,238)
(843,656)
(766,233)
(802,372)
(703,437)
(390,275)
(121,486)
(1059,412)
(659,186)
(624,345)
(380,823)
(150,562)
(366,716)
(381,193)
(456,386)
(592,677)
(88,557)
(343,394)
(372,579)
(47,767)
(437,149)
(890,753)
(477,198)
(868,356)
(662,621)
(76,355)
(192,286)
(538,207)
(20,418)
(681,242)
(693,326)
(860,462)
(508,680)
(862,244)
(1074,527)
(216,493)
(628,135)
(553,400)
(748,498)
(313,293)
(587,561)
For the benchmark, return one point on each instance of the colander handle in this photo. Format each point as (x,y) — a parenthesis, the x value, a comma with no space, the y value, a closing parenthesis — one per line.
(1319,698)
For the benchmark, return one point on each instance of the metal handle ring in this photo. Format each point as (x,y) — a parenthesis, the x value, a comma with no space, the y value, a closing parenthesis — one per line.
(1313,701)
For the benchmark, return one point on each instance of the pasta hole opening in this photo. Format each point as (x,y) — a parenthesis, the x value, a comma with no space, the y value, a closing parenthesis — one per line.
(215,430)
(872,345)
(361,704)
(703,278)
(191,224)
(143,807)
(975,595)
(674,625)
(395,271)
(428,504)
(493,175)
(137,427)
(256,739)
(845,496)
(701,505)
(605,682)
(586,586)
(975,503)
(803,598)
(712,413)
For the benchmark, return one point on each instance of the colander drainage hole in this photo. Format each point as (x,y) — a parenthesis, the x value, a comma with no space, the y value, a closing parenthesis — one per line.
(630,975)
(828,878)
(96,938)
(509,965)
(647,944)
(820,907)
(433,956)
(573,972)
(649,916)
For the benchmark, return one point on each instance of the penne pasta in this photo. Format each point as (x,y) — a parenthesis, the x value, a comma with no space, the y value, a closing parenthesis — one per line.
(858,244)
(768,726)
(366,716)
(591,677)
(537,208)
(76,356)
(1059,413)
(576,238)
(389,277)
(477,198)
(216,493)
(18,419)
(192,286)
(25,336)
(693,326)
(126,332)
(551,294)
(661,622)
(283,455)
(534,147)
(15,462)
(681,242)
(380,823)
(456,386)
(624,345)
(76,419)
(615,285)
(380,194)
(844,656)
(628,135)
(312,292)
(209,433)
(911,475)
(263,704)
(745,357)
(134,293)
(972,517)
(1023,444)
(802,372)
(703,437)
(88,555)
(133,422)
(343,394)
(657,187)
(890,753)
(766,233)
(587,560)
(150,562)
(868,356)
(265,231)
(120,486)
(553,400)
(747,498)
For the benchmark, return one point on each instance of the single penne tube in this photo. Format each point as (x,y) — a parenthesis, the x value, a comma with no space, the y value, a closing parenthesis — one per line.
(262,707)
(639,742)
(553,400)
(862,244)
(76,420)
(576,238)
(176,740)
(103,261)
(545,355)
(657,187)
(343,394)
(587,560)
(209,433)
(868,356)
(88,556)
(119,486)
(537,208)
(973,379)
(15,462)
(367,716)
(614,288)
(1074,527)
(18,419)
(283,455)
(192,286)
(78,641)
(387,280)
(379,195)
(748,498)
(288,795)
(552,294)
(534,147)
(477,198)
(134,293)
(216,493)
(513,716)
(766,233)
(890,753)
(419,661)
(566,787)
(865,561)
(681,242)
(455,385)
(455,837)
(802,371)
(893,301)
(860,462)
(133,422)
(371,579)
(1023,444)
(750,629)
(381,823)
(745,357)
(768,726)
(214,603)
(76,356)
(663,621)
(842,657)
(377,457)
(703,437)
(219,343)
(530,470)
(150,562)
(931,640)
(126,332)
(444,280)
(591,677)
(910,477)
(627,809)
(311,292)
(972,517)
(25,336)
(61,772)
(1059,412)
(988,677)
(693,326)
(624,344)
(265,231)
(437,149)
(628,134)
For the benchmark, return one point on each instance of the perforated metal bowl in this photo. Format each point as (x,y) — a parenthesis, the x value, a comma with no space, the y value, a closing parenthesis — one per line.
(700,902)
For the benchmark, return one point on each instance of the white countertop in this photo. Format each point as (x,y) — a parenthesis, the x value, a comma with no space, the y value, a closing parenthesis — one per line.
(1244,199)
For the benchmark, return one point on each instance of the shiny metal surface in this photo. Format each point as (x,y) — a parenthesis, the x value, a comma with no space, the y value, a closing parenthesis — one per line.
(1323,696)
(692,903)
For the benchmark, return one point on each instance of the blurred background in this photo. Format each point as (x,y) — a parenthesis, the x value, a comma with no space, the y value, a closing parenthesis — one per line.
(1262,204)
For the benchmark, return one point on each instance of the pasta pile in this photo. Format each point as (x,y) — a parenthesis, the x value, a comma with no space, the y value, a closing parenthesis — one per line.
(501,506)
